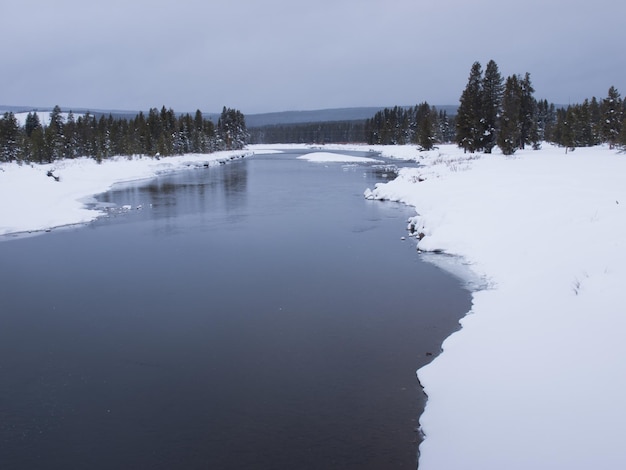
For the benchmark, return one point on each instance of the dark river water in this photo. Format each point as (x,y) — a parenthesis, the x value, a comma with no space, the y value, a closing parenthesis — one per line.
(255,315)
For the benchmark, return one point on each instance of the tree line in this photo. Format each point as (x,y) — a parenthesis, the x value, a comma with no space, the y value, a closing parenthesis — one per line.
(494,111)
(592,122)
(326,132)
(159,133)
(422,124)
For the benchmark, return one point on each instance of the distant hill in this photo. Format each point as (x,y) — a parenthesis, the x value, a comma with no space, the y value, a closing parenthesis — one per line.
(252,120)
(322,115)
(77,111)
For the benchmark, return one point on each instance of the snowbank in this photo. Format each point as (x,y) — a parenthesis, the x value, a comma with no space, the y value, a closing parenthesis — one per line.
(535,377)
(322,157)
(32,200)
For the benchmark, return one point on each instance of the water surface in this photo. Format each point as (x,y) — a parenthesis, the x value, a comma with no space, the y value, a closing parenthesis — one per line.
(260,314)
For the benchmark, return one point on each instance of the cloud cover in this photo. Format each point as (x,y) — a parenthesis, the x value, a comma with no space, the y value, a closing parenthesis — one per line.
(274,55)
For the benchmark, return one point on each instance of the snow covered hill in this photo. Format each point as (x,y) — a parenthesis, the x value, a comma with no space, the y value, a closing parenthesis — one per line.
(535,378)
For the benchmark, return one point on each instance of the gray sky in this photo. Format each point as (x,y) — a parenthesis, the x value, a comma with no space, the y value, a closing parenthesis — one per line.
(277,55)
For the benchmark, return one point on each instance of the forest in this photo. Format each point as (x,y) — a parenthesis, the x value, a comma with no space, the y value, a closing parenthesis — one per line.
(493,111)
(325,132)
(159,133)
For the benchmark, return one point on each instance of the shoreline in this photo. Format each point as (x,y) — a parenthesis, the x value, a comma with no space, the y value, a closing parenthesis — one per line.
(547,232)
(539,351)
(41,203)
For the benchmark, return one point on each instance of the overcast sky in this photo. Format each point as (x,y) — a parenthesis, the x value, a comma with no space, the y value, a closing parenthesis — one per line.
(276,55)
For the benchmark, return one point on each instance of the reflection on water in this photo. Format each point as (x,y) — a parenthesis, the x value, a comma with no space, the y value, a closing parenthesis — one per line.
(260,314)
(185,192)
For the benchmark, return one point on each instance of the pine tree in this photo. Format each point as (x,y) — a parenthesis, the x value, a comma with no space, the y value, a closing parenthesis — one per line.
(622,135)
(427,127)
(36,147)
(231,129)
(197,144)
(71,137)
(103,142)
(155,129)
(469,128)
(54,137)
(86,134)
(446,127)
(528,114)
(9,138)
(596,120)
(613,115)
(546,120)
(492,89)
(568,137)
(585,128)
(32,123)
(509,136)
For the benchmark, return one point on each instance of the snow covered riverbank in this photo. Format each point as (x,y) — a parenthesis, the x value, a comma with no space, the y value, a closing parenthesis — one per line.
(30,200)
(535,378)
(40,197)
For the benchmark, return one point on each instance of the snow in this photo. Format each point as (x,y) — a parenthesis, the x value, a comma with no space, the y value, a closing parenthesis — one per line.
(535,377)
(323,157)
(32,201)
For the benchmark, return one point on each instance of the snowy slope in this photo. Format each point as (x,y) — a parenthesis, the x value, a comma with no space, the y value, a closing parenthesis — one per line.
(535,378)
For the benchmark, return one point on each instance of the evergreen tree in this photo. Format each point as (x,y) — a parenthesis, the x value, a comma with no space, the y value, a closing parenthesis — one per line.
(71,136)
(155,129)
(509,137)
(182,140)
(528,114)
(86,134)
(9,138)
(427,127)
(546,120)
(54,137)
(469,128)
(568,137)
(162,132)
(622,134)
(103,142)
(141,135)
(613,115)
(446,128)
(492,89)
(197,134)
(32,123)
(117,129)
(584,127)
(36,146)
(231,129)
(596,121)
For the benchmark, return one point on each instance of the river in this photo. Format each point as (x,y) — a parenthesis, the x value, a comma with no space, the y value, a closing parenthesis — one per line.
(260,314)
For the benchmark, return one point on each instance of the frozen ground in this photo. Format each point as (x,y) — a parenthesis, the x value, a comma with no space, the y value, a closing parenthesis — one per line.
(535,378)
